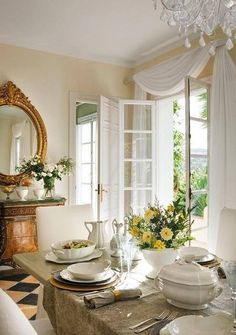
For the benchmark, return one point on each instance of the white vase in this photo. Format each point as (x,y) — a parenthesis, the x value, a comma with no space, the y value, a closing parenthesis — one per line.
(158,258)
(39,192)
(22,193)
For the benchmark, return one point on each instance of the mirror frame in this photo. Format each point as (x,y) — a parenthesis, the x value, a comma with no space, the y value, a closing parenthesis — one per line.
(11,95)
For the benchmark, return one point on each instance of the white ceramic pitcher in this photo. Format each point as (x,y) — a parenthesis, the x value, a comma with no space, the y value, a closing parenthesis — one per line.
(97,233)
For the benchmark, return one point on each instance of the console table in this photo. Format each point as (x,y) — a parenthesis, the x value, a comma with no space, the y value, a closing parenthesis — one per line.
(18,226)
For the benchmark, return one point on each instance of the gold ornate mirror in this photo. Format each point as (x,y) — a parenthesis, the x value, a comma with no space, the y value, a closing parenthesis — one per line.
(22,132)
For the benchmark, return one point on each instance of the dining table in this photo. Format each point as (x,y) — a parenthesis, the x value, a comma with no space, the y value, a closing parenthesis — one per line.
(70,316)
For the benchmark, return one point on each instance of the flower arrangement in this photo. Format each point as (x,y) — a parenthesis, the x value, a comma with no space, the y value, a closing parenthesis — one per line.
(161,227)
(48,172)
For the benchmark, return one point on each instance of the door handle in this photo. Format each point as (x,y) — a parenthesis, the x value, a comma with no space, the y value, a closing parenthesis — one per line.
(100,189)
(103,190)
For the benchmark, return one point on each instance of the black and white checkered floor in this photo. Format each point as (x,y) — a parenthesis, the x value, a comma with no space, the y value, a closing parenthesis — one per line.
(22,288)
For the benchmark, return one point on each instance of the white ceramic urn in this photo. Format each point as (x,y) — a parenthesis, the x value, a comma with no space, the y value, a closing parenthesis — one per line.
(188,285)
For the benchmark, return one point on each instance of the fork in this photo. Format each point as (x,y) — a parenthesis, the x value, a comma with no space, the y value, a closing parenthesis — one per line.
(161,316)
(171,317)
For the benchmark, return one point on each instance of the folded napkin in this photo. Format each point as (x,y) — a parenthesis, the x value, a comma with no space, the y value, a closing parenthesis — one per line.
(100,299)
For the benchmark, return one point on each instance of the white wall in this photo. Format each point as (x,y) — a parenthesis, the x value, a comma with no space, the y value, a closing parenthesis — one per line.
(47,80)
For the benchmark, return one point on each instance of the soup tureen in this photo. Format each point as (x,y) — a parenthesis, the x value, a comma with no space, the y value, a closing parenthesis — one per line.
(188,285)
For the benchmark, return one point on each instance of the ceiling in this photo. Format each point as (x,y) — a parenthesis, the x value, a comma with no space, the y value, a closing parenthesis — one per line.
(124,32)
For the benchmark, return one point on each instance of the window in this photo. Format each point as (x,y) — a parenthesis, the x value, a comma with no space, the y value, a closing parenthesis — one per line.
(86,136)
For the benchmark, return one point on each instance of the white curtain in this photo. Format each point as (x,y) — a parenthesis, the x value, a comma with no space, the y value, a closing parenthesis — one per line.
(167,78)
(222,172)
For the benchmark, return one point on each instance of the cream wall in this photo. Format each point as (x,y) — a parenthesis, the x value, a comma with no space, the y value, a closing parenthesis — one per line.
(47,79)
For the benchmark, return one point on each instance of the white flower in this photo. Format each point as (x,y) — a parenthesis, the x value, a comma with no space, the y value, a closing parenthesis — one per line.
(49,174)
(60,168)
(44,174)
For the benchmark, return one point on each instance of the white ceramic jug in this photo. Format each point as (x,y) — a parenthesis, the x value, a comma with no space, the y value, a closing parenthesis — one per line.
(98,232)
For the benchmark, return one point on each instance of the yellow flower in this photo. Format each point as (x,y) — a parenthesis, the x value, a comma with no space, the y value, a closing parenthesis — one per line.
(159,245)
(170,208)
(134,231)
(147,237)
(148,215)
(136,220)
(166,234)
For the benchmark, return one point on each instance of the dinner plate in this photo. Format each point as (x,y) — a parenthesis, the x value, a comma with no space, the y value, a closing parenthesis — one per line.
(66,275)
(51,257)
(218,324)
(112,279)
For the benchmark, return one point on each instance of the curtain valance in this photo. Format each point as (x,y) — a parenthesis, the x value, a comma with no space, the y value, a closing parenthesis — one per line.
(167,78)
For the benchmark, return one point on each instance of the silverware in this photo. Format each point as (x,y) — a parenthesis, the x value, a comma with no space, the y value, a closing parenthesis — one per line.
(171,317)
(161,316)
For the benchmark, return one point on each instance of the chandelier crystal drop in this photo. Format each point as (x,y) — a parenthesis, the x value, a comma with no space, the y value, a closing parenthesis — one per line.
(203,16)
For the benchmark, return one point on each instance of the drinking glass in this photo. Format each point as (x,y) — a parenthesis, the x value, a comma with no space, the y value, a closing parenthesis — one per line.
(230,272)
(129,248)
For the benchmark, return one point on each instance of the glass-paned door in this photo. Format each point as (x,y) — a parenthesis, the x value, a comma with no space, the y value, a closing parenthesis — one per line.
(197,144)
(137,155)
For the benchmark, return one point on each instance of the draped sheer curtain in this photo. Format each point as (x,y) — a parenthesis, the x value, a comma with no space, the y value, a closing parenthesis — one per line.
(167,78)
(222,176)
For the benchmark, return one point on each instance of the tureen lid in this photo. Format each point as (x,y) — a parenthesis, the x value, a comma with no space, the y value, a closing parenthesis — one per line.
(187,272)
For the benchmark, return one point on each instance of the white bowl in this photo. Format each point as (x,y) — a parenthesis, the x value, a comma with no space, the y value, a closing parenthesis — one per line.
(89,271)
(73,253)
(218,324)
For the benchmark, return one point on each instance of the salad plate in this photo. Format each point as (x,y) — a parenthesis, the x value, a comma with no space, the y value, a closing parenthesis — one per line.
(51,257)
(218,324)
(67,276)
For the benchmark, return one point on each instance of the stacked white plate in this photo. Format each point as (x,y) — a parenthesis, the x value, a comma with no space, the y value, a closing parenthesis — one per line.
(89,273)
(201,255)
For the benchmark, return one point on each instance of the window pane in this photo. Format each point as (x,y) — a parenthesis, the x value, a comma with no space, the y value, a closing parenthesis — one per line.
(198,102)
(199,202)
(198,141)
(86,132)
(85,173)
(94,131)
(137,174)
(86,153)
(137,117)
(85,194)
(136,200)
(138,146)
(199,180)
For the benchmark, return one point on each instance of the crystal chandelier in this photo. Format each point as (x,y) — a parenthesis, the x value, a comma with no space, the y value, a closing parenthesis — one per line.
(201,16)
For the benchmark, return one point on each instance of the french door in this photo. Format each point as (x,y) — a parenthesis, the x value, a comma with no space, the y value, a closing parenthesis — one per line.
(197,153)
(137,155)
(118,172)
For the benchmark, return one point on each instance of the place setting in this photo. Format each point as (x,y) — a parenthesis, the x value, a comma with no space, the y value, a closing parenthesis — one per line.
(72,251)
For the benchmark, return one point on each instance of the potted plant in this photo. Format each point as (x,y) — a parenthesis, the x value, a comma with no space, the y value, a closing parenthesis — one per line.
(48,172)
(160,232)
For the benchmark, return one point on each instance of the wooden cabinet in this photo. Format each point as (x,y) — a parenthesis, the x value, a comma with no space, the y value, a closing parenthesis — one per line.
(18,226)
